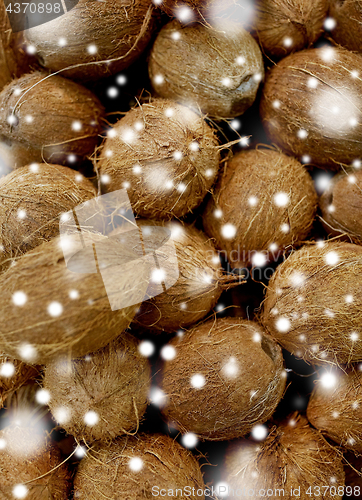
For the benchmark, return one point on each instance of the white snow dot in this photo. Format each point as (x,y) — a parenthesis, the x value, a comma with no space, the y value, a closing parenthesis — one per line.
(189,440)
(80,452)
(276,104)
(126,185)
(72,158)
(121,80)
(335,414)
(240,60)
(257,337)
(197,381)
(158,79)
(273,247)
(42,396)
(312,82)
(348,299)
(146,348)
(281,199)
(34,167)
(306,159)
(332,258)
(355,405)
(21,214)
(137,169)
(302,134)
(92,49)
(112,92)
(62,42)
(181,188)
(354,73)
(218,213)
(328,380)
(20,491)
(287,41)
(283,325)
(253,200)
(105,179)
(244,141)
(354,336)
(184,13)
(27,352)
(228,231)
(76,126)
(139,125)
(327,54)
(74,294)
(323,181)
(2,444)
(91,418)
(194,146)
(55,309)
(169,112)
(353,121)
(7,369)
(31,49)
(61,414)
(29,119)
(135,464)
(226,82)
(352,179)
(235,124)
(209,172)
(176,35)
(168,352)
(12,120)
(19,298)
(259,259)
(157,396)
(177,155)
(158,275)
(257,77)
(330,23)
(259,432)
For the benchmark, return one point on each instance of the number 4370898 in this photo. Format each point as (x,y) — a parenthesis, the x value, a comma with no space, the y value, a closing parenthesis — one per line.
(40,8)
(333,491)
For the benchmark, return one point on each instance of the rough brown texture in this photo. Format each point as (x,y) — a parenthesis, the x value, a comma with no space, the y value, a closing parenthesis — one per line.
(293,456)
(107,472)
(212,77)
(337,410)
(152,155)
(285,26)
(244,379)
(14,154)
(46,114)
(313,303)
(32,199)
(311,106)
(120,31)
(348,17)
(270,201)
(341,205)
(8,66)
(23,373)
(113,382)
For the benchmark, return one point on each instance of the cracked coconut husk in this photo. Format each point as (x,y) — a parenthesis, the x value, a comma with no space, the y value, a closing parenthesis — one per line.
(243,379)
(348,29)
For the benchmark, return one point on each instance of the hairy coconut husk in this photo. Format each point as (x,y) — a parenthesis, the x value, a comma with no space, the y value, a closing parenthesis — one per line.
(311,106)
(250,197)
(353,472)
(113,382)
(119,31)
(32,198)
(348,29)
(131,466)
(220,75)
(293,456)
(10,382)
(14,154)
(313,303)
(8,66)
(54,115)
(28,460)
(167,163)
(341,205)
(199,285)
(283,26)
(243,373)
(337,410)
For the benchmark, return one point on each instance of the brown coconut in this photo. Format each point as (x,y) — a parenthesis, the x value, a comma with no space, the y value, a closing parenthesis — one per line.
(14,154)
(337,410)
(133,468)
(113,383)
(292,461)
(220,75)
(265,201)
(53,115)
(311,106)
(32,199)
(199,285)
(227,376)
(313,303)
(283,26)
(94,39)
(341,205)
(165,155)
(348,30)
(32,466)
(13,375)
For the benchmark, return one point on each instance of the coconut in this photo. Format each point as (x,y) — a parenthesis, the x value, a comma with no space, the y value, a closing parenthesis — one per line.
(14,154)
(313,303)
(8,66)
(311,106)
(292,461)
(341,205)
(265,201)
(220,75)
(347,15)
(284,27)
(31,200)
(102,395)
(204,391)
(13,375)
(335,408)
(94,39)
(165,155)
(138,467)
(52,114)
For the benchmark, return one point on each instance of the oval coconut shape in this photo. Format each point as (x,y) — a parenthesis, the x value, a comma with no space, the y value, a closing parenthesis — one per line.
(348,30)
(165,155)
(32,198)
(13,375)
(14,154)
(54,115)
(311,106)
(284,27)
(27,464)
(101,38)
(66,313)
(221,77)
(293,460)
(264,202)
(131,466)
(227,376)
(111,385)
(313,303)
(337,411)
(341,205)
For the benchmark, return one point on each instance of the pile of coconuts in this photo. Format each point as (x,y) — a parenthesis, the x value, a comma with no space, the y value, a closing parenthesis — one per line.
(181,250)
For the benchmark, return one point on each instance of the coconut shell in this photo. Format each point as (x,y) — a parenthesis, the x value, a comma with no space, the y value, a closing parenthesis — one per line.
(118,30)
(113,382)
(341,205)
(311,105)
(337,410)
(108,471)
(167,163)
(348,29)
(54,115)
(10,382)
(313,303)
(293,456)
(243,379)
(32,199)
(283,26)
(28,460)
(14,154)
(268,200)
(220,75)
